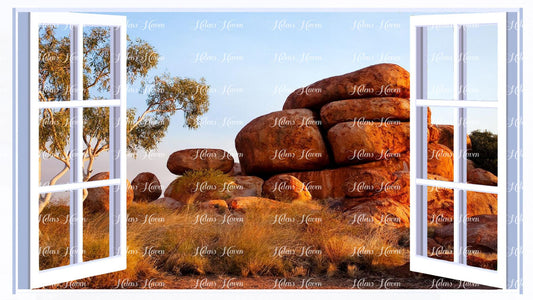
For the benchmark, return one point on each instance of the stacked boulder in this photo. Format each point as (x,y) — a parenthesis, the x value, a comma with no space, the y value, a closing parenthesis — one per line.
(288,140)
(341,137)
(346,139)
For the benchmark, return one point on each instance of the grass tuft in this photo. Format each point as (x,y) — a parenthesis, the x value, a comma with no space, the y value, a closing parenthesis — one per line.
(164,244)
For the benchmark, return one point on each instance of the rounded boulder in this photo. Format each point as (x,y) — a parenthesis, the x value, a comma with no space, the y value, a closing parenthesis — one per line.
(380,80)
(282,141)
(361,110)
(97,199)
(146,187)
(197,159)
(356,143)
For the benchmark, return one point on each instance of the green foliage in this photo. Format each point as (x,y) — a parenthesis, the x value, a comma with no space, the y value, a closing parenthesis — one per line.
(170,94)
(54,131)
(484,151)
(96,58)
(142,57)
(96,124)
(147,133)
(54,66)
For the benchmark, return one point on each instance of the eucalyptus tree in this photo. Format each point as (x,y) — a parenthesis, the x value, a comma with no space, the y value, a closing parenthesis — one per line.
(165,95)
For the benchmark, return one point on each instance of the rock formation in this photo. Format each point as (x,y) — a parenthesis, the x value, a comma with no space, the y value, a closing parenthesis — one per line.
(97,199)
(343,141)
(362,134)
(146,187)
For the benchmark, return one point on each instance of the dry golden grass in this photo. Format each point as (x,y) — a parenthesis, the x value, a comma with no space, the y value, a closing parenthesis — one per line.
(172,238)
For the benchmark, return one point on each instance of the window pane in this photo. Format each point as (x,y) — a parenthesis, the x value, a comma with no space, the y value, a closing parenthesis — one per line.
(481,62)
(96,62)
(440,223)
(96,221)
(482,230)
(481,126)
(96,141)
(54,62)
(54,146)
(440,143)
(54,230)
(440,62)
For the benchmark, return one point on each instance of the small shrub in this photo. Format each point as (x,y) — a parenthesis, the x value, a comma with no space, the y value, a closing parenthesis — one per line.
(484,151)
(205,184)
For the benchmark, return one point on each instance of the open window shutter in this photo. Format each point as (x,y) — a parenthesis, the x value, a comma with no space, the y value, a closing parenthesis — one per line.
(30,273)
(507,106)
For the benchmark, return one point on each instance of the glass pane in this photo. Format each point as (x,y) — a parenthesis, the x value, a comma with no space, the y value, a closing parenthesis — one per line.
(96,222)
(481,62)
(96,142)
(482,230)
(54,146)
(481,126)
(440,223)
(440,62)
(54,230)
(54,62)
(440,143)
(96,62)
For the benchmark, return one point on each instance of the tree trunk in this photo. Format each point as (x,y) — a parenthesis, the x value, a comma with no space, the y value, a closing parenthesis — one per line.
(43,201)
(89,168)
(88,174)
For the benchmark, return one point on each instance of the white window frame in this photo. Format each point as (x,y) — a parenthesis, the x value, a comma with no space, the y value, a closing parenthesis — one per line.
(29,275)
(508,109)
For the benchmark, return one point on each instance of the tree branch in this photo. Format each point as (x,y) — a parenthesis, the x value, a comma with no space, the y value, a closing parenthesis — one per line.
(103,148)
(149,110)
(140,118)
(97,78)
(54,132)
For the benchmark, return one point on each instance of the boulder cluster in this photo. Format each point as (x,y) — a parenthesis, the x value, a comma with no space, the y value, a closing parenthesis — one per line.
(342,141)
(346,139)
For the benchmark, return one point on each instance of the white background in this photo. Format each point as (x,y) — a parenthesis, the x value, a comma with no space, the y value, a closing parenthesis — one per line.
(6,134)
